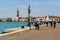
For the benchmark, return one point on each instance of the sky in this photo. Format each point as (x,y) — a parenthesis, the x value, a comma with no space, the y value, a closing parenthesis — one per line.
(8,8)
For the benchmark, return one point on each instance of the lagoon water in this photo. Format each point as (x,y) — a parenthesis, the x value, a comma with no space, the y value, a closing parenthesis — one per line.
(8,25)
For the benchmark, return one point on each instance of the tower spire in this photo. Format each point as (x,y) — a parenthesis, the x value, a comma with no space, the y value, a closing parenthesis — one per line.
(17,12)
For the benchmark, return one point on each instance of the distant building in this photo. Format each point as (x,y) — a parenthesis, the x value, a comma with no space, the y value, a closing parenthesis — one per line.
(9,19)
(56,18)
(0,20)
(46,18)
(40,18)
(17,16)
(4,19)
(33,19)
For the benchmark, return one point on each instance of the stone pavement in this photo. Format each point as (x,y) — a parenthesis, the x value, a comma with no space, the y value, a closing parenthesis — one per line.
(45,33)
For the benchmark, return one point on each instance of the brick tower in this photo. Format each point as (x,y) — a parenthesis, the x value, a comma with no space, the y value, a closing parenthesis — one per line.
(17,15)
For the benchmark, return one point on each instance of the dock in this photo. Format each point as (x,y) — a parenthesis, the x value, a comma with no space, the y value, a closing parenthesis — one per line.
(44,33)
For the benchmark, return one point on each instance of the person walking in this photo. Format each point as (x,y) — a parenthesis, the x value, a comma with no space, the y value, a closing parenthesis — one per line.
(54,24)
(46,23)
(51,23)
(36,24)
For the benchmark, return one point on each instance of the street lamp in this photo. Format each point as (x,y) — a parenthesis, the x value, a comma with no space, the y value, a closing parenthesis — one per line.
(29,10)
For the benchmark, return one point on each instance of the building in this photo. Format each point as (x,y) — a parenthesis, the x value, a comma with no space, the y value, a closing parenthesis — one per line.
(56,18)
(0,20)
(40,18)
(9,19)
(33,19)
(4,19)
(17,16)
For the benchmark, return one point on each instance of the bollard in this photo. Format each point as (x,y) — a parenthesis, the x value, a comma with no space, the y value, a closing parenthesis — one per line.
(22,27)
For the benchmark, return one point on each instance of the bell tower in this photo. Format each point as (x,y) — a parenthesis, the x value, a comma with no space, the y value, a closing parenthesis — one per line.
(17,15)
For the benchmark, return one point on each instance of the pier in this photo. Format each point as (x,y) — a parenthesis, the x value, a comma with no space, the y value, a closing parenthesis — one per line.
(44,33)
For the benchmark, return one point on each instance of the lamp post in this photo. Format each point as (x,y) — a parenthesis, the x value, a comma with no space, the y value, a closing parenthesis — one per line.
(29,10)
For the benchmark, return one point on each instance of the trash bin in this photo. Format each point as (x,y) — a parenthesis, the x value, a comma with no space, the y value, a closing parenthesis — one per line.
(22,27)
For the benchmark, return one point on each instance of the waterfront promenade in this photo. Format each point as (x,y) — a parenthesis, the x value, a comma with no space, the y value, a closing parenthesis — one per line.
(45,33)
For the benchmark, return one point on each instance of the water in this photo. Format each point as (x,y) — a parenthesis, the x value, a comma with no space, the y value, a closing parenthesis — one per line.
(8,25)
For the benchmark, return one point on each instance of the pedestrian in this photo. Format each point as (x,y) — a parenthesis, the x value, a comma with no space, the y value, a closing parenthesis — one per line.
(54,24)
(36,24)
(51,23)
(46,23)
